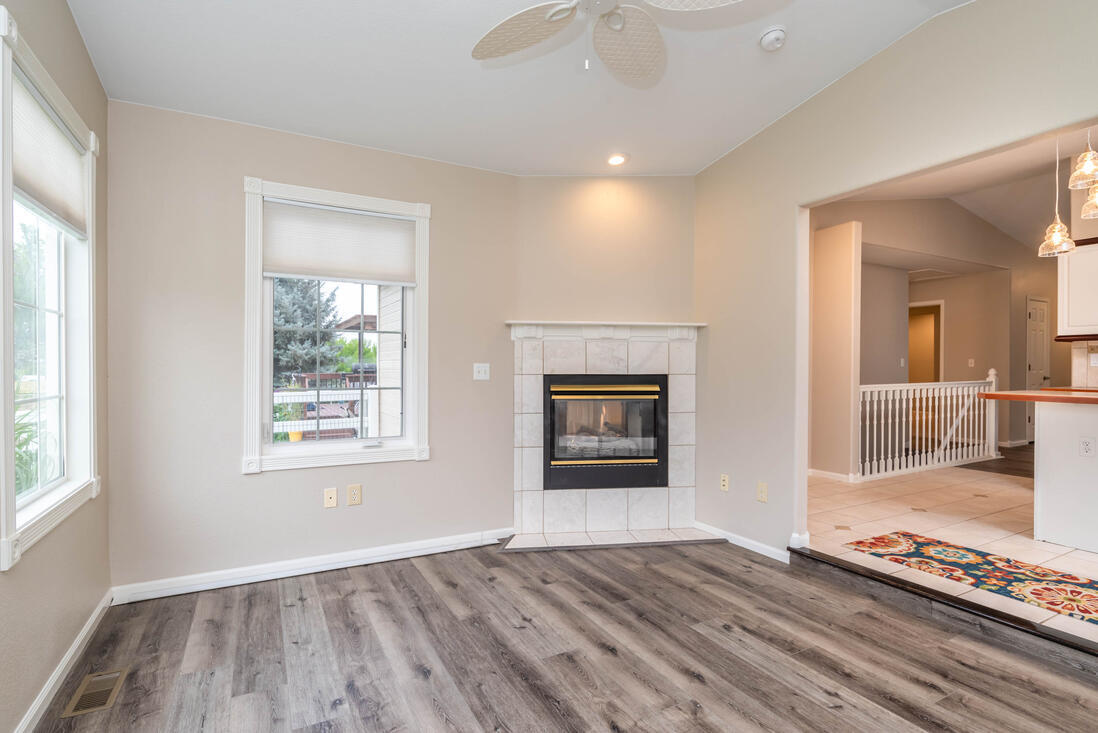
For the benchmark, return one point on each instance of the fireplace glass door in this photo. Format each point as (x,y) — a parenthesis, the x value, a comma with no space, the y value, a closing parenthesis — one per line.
(604,428)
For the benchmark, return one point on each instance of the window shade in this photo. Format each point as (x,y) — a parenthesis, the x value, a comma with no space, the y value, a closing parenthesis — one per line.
(337,244)
(46,165)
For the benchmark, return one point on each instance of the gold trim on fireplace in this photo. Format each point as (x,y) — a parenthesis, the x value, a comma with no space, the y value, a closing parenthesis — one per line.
(604,388)
(597,462)
(604,397)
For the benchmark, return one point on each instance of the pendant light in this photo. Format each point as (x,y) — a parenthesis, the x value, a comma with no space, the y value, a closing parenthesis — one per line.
(1057,241)
(1090,208)
(1086,168)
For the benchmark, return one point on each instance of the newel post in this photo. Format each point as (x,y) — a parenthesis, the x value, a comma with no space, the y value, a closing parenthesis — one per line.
(993,414)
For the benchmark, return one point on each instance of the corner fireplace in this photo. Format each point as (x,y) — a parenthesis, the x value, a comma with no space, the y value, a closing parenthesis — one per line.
(605,431)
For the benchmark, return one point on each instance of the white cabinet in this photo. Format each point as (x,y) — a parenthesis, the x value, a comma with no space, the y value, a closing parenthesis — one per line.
(1078,292)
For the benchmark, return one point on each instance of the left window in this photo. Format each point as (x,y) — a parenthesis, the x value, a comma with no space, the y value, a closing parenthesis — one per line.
(48,465)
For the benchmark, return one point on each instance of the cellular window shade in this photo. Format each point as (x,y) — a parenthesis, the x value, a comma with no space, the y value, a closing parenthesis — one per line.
(337,244)
(46,165)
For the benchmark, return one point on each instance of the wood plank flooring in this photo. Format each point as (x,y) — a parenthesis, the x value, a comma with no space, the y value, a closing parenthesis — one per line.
(1017,461)
(672,638)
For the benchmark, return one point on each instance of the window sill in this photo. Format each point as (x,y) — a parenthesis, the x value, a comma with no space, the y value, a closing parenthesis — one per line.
(38,518)
(320,456)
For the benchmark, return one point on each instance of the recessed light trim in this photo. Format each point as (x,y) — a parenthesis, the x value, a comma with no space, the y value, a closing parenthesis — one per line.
(617,159)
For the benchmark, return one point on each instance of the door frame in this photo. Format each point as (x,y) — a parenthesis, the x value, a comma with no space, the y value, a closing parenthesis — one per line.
(1031,413)
(940,335)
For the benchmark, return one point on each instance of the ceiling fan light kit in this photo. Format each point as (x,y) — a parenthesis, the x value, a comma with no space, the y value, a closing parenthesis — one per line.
(626,37)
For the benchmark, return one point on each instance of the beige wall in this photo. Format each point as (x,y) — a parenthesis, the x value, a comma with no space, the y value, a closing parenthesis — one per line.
(617,249)
(884,325)
(501,247)
(836,286)
(49,594)
(943,227)
(967,82)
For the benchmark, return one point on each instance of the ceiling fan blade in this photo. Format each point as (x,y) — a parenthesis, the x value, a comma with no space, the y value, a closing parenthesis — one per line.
(689,5)
(629,42)
(524,29)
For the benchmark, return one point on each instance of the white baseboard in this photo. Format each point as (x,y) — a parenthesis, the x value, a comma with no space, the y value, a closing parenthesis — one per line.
(1012,443)
(845,478)
(61,671)
(799,540)
(301,566)
(748,544)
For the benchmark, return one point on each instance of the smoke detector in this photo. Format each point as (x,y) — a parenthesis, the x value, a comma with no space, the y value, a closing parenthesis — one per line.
(773,38)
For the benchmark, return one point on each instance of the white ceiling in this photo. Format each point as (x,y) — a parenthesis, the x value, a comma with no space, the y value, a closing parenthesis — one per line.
(399,75)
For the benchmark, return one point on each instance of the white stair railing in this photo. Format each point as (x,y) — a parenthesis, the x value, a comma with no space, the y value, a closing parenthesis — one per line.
(919,426)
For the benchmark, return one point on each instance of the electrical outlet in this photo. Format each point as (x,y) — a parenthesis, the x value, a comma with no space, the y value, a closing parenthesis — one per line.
(1086,447)
(724,482)
(760,492)
(331,498)
(354,494)
(972,362)
(482,372)
(902,361)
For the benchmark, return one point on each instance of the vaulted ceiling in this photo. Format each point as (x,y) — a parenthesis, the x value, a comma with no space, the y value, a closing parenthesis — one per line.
(399,75)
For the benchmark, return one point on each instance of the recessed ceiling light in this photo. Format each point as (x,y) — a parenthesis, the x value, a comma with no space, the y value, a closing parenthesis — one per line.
(773,38)
(617,159)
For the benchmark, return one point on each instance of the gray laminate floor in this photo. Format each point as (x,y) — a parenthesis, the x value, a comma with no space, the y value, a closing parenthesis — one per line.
(694,637)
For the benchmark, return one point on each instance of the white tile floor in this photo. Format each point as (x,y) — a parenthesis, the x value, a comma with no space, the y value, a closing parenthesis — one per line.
(580,539)
(985,511)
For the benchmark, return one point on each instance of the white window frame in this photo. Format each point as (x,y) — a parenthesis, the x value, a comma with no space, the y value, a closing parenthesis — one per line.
(259,453)
(21,527)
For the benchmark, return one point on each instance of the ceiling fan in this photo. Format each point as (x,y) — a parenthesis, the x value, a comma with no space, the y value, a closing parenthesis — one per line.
(625,36)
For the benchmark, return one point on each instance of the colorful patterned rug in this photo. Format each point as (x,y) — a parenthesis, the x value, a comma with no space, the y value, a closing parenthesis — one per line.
(1071,595)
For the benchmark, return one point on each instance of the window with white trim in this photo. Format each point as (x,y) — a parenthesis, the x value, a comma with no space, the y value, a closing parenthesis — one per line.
(336,328)
(48,462)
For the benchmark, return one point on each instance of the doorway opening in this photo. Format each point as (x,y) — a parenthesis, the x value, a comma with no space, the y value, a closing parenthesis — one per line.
(925,355)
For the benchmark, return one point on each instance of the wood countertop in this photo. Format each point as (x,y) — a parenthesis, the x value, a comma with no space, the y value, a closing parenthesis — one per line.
(1073,396)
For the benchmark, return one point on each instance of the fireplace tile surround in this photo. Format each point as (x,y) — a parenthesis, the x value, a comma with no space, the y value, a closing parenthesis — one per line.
(602,348)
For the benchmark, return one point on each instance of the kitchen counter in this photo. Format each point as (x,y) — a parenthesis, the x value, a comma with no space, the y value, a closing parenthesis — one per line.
(1050,394)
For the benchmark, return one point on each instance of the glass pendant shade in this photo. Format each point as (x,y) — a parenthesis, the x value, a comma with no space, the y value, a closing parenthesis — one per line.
(1086,170)
(1057,241)
(1090,208)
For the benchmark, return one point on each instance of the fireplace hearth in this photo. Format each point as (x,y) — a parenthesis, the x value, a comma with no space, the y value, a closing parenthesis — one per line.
(605,431)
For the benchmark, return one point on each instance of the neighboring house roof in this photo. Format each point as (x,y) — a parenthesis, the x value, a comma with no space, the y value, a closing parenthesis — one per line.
(369,323)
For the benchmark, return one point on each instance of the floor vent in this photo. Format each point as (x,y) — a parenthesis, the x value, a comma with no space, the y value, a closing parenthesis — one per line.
(96,692)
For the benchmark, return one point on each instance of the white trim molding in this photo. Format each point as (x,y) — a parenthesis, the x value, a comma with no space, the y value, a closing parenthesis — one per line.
(302,566)
(259,455)
(49,690)
(844,477)
(604,330)
(745,542)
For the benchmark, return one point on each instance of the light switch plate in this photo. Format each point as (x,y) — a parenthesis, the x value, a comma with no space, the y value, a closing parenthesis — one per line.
(972,362)
(761,492)
(482,372)
(331,498)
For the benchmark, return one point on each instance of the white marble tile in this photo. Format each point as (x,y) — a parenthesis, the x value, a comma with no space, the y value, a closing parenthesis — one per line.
(517,520)
(532,511)
(566,539)
(680,393)
(1005,604)
(681,428)
(564,356)
(518,469)
(531,356)
(518,357)
(690,533)
(607,510)
(518,393)
(533,388)
(521,541)
(518,430)
(565,510)
(648,357)
(648,508)
(683,357)
(607,356)
(532,469)
(654,535)
(611,538)
(680,465)
(680,501)
(532,431)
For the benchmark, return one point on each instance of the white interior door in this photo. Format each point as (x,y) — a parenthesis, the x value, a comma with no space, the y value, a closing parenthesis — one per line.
(1037,347)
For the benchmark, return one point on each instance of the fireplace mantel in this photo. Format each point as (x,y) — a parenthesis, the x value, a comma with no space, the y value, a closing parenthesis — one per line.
(604,330)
